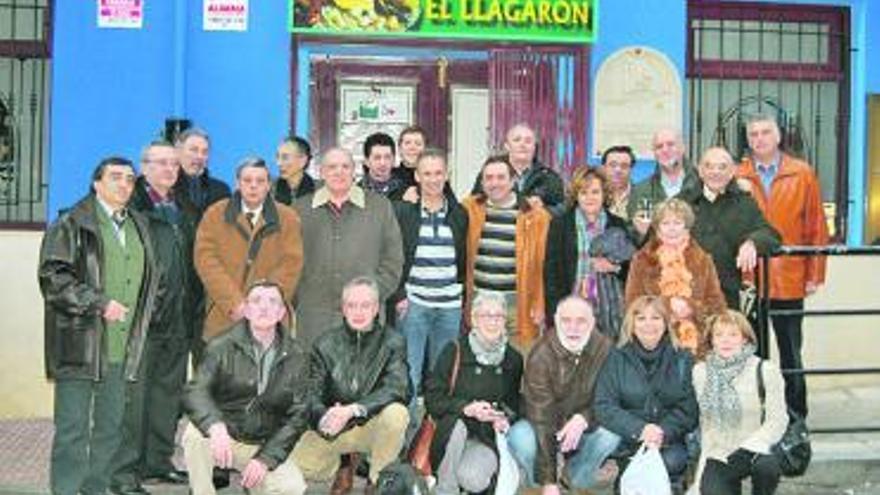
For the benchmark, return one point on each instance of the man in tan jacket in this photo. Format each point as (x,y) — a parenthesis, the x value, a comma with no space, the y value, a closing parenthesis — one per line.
(243,239)
(506,244)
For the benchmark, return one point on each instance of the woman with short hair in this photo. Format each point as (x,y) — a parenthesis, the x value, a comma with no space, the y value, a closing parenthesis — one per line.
(673,266)
(473,391)
(737,430)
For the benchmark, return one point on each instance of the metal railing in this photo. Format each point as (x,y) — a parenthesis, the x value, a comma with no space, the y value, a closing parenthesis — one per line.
(765,312)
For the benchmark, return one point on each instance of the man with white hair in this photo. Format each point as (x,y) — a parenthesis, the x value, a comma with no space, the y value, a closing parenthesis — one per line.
(559,383)
(347,232)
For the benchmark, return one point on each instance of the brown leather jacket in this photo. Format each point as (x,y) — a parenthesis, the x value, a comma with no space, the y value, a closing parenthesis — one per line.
(558,385)
(531,241)
(794,208)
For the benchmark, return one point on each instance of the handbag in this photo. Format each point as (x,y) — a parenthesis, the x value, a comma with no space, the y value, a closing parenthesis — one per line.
(419,455)
(793,450)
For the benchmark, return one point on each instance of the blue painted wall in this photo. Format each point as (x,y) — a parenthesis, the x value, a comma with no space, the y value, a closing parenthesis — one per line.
(110,92)
(112,89)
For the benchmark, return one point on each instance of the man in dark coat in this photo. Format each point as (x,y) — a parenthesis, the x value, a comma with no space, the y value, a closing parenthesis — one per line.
(559,382)
(429,298)
(361,388)
(247,403)
(293,157)
(728,223)
(671,176)
(193,146)
(100,283)
(154,408)
(539,185)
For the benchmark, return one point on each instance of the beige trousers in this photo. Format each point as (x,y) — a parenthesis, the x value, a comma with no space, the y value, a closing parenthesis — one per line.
(286,479)
(381,437)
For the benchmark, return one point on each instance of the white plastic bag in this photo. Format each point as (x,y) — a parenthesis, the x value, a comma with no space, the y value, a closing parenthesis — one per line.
(646,474)
(507,481)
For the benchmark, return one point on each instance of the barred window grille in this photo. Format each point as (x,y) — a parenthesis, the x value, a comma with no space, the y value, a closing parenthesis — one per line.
(787,61)
(24,102)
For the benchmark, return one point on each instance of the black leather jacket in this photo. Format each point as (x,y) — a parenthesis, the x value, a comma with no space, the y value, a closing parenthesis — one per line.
(182,311)
(72,285)
(224,389)
(368,368)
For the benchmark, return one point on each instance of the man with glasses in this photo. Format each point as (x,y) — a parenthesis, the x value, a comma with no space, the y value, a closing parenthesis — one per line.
(153,409)
(245,238)
(361,388)
(347,232)
(247,403)
(100,283)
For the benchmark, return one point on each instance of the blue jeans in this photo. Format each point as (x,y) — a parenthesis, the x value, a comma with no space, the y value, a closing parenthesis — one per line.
(582,465)
(427,329)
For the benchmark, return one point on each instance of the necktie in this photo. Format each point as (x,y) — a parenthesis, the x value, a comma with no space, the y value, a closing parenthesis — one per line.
(250,218)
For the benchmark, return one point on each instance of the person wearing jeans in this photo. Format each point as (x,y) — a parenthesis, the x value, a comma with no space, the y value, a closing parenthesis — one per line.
(429,298)
(560,378)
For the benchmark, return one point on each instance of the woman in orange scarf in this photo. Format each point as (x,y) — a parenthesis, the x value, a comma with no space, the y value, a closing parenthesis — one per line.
(673,266)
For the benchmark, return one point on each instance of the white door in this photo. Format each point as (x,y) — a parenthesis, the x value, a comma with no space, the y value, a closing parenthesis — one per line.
(469,136)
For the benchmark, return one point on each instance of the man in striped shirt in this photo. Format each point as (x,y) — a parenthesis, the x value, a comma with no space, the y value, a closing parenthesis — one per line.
(505,249)
(429,298)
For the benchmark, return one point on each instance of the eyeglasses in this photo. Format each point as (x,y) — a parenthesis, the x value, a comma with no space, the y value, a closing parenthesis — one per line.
(492,316)
(164,162)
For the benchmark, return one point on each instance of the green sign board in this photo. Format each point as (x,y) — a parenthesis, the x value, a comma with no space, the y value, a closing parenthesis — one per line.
(539,21)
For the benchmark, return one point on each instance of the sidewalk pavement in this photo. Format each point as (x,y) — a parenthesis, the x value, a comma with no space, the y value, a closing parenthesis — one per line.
(843,464)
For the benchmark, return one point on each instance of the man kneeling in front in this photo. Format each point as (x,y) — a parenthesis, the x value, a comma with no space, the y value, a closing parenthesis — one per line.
(361,383)
(247,402)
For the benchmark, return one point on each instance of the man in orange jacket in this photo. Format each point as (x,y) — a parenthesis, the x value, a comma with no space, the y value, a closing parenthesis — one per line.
(787,191)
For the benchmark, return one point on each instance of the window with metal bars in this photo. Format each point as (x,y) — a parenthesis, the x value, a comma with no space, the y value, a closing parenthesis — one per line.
(24,101)
(788,61)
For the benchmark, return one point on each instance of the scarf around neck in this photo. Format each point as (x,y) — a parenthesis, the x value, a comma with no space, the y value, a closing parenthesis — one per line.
(487,353)
(719,400)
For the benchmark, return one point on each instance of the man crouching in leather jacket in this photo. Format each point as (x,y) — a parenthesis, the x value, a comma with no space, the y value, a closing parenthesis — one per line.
(361,382)
(247,402)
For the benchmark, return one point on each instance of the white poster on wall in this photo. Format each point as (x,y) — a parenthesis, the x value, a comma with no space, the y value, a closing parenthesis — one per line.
(225,15)
(124,14)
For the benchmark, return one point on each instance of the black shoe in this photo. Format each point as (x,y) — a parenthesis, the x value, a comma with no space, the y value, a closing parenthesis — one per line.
(129,490)
(171,477)
(220,478)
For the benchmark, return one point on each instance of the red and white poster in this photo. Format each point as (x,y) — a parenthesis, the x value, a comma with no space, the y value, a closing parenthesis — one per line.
(125,14)
(225,15)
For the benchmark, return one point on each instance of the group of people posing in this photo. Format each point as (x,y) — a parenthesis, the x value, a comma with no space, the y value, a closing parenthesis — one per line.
(556,326)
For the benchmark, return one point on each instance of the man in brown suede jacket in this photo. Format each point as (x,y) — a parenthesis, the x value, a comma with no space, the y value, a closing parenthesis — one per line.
(560,379)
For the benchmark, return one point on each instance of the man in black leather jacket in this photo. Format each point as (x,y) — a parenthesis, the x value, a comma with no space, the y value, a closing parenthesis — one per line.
(247,402)
(100,283)
(362,387)
(154,406)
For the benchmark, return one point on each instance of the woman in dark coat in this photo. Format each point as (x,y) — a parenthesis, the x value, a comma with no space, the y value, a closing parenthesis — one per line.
(485,399)
(588,252)
(644,392)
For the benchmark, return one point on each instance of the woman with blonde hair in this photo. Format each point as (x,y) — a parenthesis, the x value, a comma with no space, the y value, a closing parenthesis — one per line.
(737,429)
(673,266)
(644,391)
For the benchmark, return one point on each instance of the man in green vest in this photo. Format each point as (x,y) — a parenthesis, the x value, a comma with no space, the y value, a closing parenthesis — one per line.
(99,282)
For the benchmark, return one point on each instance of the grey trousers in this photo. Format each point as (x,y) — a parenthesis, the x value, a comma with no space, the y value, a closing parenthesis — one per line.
(467,465)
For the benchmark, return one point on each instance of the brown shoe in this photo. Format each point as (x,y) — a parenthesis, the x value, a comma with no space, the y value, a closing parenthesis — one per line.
(344,480)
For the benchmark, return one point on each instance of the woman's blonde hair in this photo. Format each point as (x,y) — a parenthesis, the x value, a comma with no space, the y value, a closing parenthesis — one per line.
(581,179)
(675,207)
(639,306)
(729,317)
